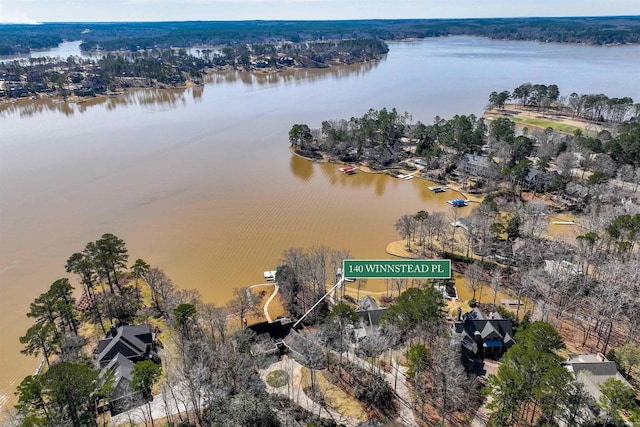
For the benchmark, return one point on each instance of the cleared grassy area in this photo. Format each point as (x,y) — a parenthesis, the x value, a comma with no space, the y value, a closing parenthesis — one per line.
(334,397)
(452,309)
(543,124)
(277,378)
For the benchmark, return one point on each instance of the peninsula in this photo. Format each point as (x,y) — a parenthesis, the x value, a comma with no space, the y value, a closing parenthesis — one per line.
(170,54)
(114,72)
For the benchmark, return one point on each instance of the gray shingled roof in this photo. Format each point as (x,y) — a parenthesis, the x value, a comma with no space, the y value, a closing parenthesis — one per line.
(593,370)
(133,342)
(369,311)
(367,303)
(479,161)
(123,368)
(596,368)
(495,328)
(476,314)
(489,331)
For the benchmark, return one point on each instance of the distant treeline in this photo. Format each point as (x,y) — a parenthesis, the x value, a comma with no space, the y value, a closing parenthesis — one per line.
(145,35)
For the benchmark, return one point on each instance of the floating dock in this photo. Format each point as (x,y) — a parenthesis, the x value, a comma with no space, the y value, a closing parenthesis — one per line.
(458,203)
(407,177)
(438,188)
(402,176)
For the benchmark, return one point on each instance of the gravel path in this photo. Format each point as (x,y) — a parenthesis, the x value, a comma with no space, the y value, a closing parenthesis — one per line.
(266,304)
(293,390)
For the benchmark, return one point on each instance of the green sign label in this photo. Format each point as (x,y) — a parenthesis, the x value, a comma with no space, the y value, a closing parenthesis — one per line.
(397,269)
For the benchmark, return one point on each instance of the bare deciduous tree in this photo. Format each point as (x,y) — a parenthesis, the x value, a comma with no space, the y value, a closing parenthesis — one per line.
(214,323)
(534,219)
(162,289)
(434,225)
(565,163)
(241,304)
(405,226)
(474,276)
(309,352)
(496,282)
(451,385)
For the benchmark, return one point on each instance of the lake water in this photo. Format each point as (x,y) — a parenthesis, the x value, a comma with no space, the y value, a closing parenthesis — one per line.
(64,50)
(200,182)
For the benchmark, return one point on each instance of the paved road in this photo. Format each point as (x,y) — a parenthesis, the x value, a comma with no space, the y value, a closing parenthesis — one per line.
(161,407)
(482,415)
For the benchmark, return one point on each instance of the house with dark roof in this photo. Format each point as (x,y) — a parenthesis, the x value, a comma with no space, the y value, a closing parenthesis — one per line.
(136,343)
(124,346)
(483,336)
(369,314)
(535,180)
(276,332)
(122,397)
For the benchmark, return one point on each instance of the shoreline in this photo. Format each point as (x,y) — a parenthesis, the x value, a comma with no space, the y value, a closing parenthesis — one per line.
(76,99)
(25,56)
(454,187)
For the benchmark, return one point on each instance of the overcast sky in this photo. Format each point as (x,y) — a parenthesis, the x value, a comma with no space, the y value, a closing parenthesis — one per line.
(33,11)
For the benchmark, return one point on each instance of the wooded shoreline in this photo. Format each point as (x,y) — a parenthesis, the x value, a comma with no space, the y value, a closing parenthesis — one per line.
(19,38)
(171,68)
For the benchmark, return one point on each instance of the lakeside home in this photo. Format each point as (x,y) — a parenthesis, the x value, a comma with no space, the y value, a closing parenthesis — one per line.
(476,165)
(592,371)
(484,336)
(123,346)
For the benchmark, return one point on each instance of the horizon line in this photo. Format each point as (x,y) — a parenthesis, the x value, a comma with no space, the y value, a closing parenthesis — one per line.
(322,20)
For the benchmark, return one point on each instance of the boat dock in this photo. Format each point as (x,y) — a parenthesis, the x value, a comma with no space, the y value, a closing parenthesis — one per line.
(407,177)
(458,203)
(438,188)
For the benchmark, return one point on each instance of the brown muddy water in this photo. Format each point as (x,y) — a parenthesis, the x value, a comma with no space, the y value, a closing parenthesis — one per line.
(200,182)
